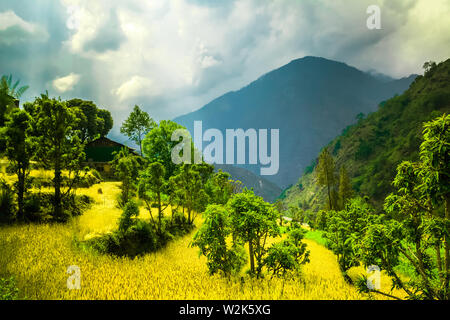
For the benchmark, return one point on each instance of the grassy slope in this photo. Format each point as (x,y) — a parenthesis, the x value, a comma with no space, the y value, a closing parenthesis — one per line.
(372,148)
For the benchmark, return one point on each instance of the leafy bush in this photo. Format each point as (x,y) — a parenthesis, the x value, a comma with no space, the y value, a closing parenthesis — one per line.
(38,207)
(7,206)
(8,289)
(130,210)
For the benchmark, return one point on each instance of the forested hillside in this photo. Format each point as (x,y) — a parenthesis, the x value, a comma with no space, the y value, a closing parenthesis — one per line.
(310,100)
(371,149)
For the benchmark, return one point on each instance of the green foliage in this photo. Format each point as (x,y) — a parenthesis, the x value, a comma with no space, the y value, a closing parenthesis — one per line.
(288,255)
(8,289)
(130,211)
(219,188)
(138,124)
(20,149)
(7,205)
(58,143)
(126,167)
(326,176)
(157,146)
(253,220)
(38,206)
(93,122)
(345,188)
(189,191)
(372,149)
(343,228)
(322,219)
(211,238)
(419,220)
(151,189)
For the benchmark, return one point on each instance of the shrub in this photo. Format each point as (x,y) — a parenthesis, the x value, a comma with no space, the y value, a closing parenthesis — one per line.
(38,207)
(130,210)
(7,206)
(8,289)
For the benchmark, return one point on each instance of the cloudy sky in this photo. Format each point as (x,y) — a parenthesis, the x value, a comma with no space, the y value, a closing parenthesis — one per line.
(172,57)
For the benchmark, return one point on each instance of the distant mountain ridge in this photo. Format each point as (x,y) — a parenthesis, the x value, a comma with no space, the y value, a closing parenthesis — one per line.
(372,148)
(310,100)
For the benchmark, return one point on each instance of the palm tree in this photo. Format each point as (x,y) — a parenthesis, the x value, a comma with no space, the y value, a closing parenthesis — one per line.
(13,90)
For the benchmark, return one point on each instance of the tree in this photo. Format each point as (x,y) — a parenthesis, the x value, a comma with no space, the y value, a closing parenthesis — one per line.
(152,186)
(20,150)
(279,206)
(59,144)
(220,187)
(211,238)
(253,221)
(126,167)
(287,255)
(9,93)
(130,210)
(326,176)
(421,223)
(12,89)
(345,188)
(157,146)
(189,191)
(138,124)
(94,122)
(343,228)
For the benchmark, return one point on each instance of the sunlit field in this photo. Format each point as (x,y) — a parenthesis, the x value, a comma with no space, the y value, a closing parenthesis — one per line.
(38,256)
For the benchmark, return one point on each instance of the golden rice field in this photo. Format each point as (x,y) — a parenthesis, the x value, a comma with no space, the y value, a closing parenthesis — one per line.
(38,257)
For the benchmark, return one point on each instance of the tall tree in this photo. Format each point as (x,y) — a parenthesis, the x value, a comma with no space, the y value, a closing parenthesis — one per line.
(157,146)
(189,190)
(211,238)
(420,224)
(59,144)
(138,124)
(152,187)
(345,188)
(253,221)
(326,177)
(13,89)
(126,167)
(9,93)
(93,122)
(20,149)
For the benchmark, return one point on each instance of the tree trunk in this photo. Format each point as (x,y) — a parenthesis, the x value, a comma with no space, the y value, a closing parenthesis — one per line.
(57,200)
(159,212)
(20,193)
(252,258)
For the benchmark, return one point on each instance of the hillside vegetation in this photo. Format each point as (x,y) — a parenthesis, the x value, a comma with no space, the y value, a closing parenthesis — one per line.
(372,148)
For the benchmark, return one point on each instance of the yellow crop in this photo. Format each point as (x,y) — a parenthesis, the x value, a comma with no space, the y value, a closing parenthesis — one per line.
(38,256)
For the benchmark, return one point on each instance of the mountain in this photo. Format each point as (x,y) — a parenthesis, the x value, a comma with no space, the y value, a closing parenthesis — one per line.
(261,186)
(310,100)
(372,149)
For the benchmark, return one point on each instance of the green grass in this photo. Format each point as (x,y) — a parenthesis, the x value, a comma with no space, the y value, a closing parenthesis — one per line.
(317,236)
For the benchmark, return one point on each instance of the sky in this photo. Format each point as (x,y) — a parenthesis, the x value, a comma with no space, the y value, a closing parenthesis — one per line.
(172,57)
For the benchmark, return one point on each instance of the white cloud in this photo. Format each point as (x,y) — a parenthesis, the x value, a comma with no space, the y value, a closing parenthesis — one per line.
(13,29)
(66,83)
(137,86)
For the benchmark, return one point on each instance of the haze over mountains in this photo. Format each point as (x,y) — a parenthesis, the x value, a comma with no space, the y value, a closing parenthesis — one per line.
(310,100)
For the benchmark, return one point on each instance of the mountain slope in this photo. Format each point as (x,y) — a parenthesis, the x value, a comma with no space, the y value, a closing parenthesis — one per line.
(261,186)
(372,148)
(310,100)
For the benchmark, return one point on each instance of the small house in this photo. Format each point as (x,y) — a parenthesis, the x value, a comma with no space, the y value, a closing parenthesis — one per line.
(99,153)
